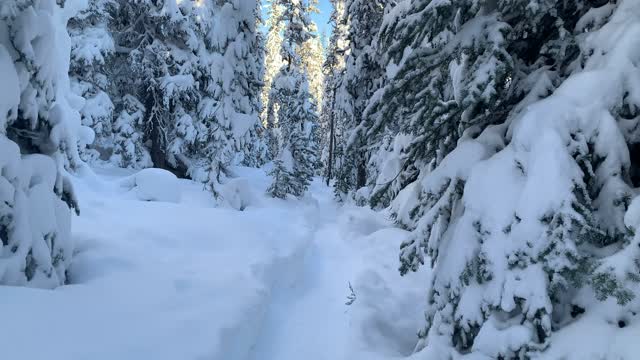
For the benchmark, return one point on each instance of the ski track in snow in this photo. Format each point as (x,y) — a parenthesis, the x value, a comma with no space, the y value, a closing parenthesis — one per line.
(183,281)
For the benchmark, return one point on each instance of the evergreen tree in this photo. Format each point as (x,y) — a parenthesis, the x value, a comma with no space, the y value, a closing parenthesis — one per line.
(186,86)
(273,63)
(362,77)
(129,150)
(282,175)
(297,159)
(254,146)
(461,65)
(39,132)
(297,111)
(157,64)
(312,54)
(91,53)
(273,59)
(333,68)
(514,216)
(231,106)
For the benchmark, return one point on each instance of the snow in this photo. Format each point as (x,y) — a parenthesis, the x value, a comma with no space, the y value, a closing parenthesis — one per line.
(177,84)
(241,124)
(96,108)
(154,185)
(492,340)
(632,216)
(92,46)
(186,280)
(32,219)
(237,194)
(162,269)
(10,90)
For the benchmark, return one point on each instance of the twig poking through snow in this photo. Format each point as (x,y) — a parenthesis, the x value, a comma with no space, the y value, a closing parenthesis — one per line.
(352,297)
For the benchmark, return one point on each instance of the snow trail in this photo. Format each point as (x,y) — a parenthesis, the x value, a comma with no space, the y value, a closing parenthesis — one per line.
(307,317)
(187,280)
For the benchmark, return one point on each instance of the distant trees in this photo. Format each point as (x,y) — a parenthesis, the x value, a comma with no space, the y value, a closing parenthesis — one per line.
(184,84)
(362,76)
(333,70)
(297,114)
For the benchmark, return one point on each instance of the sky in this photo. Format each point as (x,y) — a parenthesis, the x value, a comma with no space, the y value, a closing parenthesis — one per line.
(321,19)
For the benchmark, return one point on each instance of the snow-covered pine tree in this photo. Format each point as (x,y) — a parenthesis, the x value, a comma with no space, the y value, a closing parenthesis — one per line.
(273,59)
(254,147)
(232,71)
(458,65)
(161,42)
(187,80)
(91,51)
(39,131)
(273,62)
(297,158)
(522,221)
(362,77)
(129,150)
(312,54)
(282,183)
(333,68)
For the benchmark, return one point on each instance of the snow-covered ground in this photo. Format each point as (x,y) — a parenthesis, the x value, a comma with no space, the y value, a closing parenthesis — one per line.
(182,279)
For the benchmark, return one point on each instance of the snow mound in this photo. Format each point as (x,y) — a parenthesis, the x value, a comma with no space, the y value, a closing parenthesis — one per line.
(388,307)
(358,221)
(237,194)
(154,185)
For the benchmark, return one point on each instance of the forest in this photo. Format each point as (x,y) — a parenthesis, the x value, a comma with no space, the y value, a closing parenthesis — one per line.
(319,179)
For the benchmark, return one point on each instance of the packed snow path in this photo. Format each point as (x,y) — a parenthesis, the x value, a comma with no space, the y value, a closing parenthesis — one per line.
(306,317)
(176,278)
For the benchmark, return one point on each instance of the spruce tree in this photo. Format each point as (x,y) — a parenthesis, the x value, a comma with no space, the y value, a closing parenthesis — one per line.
(514,216)
(187,79)
(273,59)
(129,150)
(312,54)
(229,112)
(273,63)
(333,70)
(297,158)
(92,51)
(362,77)
(168,63)
(39,132)
(462,65)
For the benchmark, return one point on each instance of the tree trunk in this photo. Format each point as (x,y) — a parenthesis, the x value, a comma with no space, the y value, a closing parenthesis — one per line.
(331,141)
(154,131)
(157,148)
(361,175)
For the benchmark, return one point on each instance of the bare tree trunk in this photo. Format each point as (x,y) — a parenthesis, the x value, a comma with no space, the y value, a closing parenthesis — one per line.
(157,148)
(361,175)
(154,130)
(331,150)
(331,139)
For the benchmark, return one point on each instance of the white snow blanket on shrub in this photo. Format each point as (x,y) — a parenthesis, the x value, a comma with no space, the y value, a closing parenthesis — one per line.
(154,185)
